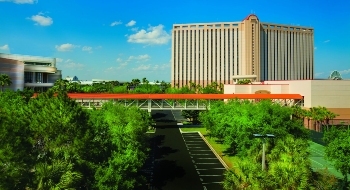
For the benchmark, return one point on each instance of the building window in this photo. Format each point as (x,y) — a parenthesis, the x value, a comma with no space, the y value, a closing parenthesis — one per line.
(28,77)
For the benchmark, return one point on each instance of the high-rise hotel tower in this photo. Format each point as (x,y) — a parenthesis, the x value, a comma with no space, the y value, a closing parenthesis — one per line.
(206,52)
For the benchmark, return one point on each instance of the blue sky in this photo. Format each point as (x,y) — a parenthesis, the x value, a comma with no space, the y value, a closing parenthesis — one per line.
(122,40)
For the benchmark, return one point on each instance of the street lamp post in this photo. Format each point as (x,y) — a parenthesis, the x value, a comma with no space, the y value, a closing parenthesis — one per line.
(264,140)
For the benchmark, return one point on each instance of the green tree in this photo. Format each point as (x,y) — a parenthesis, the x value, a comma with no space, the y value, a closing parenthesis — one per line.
(16,162)
(193,115)
(145,81)
(135,82)
(337,149)
(60,85)
(5,80)
(244,81)
(246,174)
(322,116)
(236,121)
(122,133)
(60,137)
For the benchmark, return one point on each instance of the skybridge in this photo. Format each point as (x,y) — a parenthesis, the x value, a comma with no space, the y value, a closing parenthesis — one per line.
(178,101)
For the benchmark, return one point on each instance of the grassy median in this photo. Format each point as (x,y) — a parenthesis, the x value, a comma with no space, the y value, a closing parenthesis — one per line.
(218,147)
(317,161)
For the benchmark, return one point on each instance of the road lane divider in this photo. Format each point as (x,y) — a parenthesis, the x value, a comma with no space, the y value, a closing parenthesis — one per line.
(212,149)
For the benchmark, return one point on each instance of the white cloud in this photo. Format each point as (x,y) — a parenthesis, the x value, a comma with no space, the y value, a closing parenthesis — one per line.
(326,41)
(319,74)
(110,69)
(131,23)
(70,64)
(144,57)
(142,67)
(345,72)
(65,47)
(115,23)
(153,35)
(20,1)
(87,48)
(119,60)
(41,20)
(161,67)
(135,29)
(114,69)
(59,60)
(5,47)
(149,67)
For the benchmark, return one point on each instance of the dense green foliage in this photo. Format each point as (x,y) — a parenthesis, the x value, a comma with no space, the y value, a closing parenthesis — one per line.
(50,142)
(192,115)
(338,149)
(234,123)
(136,86)
(5,80)
(244,81)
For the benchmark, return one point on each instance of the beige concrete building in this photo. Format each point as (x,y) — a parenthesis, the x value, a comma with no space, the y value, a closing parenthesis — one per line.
(332,94)
(208,52)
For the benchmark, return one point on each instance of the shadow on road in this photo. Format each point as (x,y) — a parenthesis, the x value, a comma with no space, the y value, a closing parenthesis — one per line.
(158,115)
(166,170)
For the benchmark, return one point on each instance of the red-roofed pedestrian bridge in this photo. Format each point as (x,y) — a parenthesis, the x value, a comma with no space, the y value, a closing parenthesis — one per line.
(177,101)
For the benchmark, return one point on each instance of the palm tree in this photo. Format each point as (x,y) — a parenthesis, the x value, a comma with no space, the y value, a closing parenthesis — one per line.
(245,175)
(5,80)
(135,82)
(193,86)
(287,164)
(145,81)
(60,85)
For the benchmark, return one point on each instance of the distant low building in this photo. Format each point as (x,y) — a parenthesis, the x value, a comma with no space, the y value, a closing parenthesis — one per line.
(332,94)
(25,71)
(72,79)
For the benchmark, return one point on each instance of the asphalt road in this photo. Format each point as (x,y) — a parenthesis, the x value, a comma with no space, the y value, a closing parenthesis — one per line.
(181,161)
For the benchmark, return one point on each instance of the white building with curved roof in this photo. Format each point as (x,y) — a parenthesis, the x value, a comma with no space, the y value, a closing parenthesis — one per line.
(25,71)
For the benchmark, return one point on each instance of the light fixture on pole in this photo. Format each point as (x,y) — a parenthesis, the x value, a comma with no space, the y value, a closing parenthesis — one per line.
(263,153)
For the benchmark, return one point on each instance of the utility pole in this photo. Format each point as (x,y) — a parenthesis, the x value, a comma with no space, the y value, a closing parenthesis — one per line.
(263,162)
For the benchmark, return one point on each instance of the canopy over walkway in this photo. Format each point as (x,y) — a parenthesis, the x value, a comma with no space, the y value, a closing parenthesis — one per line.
(177,101)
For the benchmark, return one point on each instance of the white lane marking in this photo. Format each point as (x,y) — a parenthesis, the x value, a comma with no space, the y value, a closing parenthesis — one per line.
(202,143)
(317,151)
(213,169)
(194,141)
(208,158)
(204,187)
(212,149)
(210,175)
(316,162)
(211,183)
(201,150)
(198,172)
(209,163)
(201,154)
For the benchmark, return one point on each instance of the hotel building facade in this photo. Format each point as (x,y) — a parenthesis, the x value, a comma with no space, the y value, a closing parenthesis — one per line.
(34,72)
(206,52)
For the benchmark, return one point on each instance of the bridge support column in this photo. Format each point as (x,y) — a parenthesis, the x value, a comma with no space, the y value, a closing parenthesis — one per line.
(149,106)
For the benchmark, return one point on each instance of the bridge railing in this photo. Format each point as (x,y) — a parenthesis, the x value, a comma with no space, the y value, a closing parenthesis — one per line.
(179,101)
(150,104)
